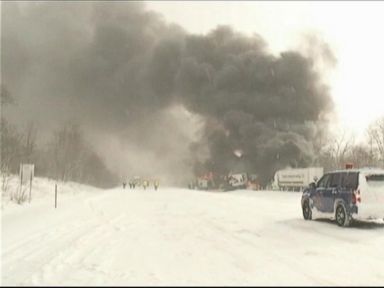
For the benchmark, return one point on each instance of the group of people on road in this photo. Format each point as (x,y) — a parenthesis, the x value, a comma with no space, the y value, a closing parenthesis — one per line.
(144,183)
(132,184)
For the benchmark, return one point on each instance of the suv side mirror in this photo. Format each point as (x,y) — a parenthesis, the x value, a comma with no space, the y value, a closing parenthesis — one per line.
(312,185)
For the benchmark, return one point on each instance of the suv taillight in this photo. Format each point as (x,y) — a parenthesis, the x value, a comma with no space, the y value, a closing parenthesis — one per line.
(356,197)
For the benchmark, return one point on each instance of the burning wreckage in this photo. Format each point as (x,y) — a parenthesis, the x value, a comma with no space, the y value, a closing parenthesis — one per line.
(231,181)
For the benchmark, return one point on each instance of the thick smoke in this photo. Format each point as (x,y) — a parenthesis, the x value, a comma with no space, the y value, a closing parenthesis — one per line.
(272,109)
(155,100)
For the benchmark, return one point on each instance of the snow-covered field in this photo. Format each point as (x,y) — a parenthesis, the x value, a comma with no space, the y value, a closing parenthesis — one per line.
(180,237)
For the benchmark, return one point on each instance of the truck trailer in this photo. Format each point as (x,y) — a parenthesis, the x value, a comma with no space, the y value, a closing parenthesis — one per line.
(296,179)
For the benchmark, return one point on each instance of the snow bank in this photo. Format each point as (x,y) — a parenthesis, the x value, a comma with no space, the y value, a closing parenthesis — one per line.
(42,188)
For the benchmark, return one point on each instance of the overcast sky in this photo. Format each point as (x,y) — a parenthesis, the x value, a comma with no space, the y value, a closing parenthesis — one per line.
(353,30)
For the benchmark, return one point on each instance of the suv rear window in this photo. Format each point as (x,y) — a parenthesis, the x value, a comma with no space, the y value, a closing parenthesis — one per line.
(375,180)
(350,180)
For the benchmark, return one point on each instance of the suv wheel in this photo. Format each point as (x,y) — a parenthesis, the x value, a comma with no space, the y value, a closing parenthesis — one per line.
(341,216)
(307,211)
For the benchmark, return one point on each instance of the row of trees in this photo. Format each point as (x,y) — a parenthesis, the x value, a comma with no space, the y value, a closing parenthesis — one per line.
(341,149)
(66,156)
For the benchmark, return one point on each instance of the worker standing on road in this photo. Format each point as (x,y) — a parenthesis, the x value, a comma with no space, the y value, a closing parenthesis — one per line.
(156,184)
(145,184)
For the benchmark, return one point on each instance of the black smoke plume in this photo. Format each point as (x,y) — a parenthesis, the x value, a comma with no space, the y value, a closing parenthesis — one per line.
(156,100)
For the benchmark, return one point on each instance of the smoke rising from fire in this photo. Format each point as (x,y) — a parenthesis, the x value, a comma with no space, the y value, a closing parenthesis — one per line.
(157,100)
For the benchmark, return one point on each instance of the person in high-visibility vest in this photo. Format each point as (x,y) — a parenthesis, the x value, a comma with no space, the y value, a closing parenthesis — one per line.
(145,184)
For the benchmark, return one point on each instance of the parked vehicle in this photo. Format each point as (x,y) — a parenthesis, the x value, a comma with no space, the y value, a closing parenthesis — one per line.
(346,195)
(296,179)
(238,181)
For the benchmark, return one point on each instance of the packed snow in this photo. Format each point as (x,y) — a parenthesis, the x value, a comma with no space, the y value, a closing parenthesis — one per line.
(180,237)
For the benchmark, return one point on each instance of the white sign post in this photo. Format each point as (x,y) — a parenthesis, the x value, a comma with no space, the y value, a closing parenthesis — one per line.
(27,172)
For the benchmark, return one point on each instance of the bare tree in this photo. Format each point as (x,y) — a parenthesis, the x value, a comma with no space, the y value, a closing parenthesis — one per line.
(29,142)
(10,152)
(9,142)
(71,158)
(67,152)
(335,154)
(376,136)
(342,145)
(359,155)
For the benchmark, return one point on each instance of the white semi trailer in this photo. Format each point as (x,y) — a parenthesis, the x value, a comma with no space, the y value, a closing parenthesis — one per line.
(296,179)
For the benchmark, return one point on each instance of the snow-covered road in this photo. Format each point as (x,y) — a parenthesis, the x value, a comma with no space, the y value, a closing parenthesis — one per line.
(183,237)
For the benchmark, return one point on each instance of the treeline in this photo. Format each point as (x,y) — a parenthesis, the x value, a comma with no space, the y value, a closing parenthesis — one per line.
(66,156)
(342,148)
